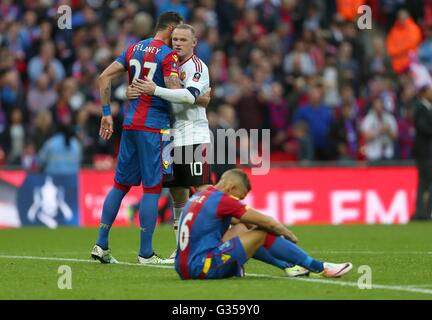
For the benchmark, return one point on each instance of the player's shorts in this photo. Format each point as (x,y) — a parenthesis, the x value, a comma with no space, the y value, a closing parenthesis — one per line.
(225,261)
(141,159)
(191,166)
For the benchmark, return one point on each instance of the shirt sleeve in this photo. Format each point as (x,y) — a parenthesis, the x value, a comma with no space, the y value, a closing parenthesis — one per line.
(122,59)
(199,80)
(230,207)
(170,65)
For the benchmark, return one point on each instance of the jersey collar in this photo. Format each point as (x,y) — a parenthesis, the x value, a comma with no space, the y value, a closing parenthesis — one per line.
(182,63)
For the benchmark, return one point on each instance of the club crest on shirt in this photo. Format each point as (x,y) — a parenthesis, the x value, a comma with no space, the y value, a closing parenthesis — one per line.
(196,76)
(183,76)
(166,164)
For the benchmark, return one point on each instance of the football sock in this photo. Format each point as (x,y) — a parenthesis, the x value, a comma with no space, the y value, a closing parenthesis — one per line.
(263,255)
(177,211)
(109,213)
(148,216)
(178,207)
(286,250)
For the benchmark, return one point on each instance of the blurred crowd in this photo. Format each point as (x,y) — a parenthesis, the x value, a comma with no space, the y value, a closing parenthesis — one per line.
(326,89)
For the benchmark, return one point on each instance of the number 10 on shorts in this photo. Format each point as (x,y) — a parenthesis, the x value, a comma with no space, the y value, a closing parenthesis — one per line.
(196,169)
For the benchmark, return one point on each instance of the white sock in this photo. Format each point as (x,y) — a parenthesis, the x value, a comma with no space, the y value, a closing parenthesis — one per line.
(177,212)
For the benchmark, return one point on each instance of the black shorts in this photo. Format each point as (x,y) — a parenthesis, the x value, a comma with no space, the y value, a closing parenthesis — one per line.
(190,167)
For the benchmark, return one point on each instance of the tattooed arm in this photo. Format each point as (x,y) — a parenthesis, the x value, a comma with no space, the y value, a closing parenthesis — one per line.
(172,82)
(112,71)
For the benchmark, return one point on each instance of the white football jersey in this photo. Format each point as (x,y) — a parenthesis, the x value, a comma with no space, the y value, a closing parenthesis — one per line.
(191,125)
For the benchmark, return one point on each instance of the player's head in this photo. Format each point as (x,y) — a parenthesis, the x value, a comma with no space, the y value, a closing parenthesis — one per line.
(184,40)
(235,182)
(168,21)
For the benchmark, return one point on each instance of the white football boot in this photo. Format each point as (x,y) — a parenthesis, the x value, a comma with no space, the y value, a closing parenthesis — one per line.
(154,259)
(333,270)
(104,256)
(296,271)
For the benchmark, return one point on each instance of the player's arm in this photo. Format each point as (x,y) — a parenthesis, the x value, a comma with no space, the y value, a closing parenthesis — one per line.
(172,93)
(232,207)
(235,221)
(114,70)
(252,216)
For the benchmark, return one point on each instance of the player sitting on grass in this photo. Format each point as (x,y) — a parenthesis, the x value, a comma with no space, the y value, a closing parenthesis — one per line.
(208,249)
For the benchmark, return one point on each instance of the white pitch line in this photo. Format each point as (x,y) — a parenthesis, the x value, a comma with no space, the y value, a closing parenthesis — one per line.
(347,284)
(370,252)
(323,281)
(81,260)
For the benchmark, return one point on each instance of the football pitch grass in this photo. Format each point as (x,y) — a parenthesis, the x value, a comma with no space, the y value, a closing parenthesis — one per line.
(399,256)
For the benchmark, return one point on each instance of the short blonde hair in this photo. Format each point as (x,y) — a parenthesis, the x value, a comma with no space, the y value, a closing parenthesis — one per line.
(185,26)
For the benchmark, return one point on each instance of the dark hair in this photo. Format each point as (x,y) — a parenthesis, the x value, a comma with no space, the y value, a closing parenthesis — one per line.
(243,178)
(166,19)
(66,132)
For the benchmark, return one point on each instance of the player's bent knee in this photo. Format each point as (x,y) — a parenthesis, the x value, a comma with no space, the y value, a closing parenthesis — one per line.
(252,240)
(235,231)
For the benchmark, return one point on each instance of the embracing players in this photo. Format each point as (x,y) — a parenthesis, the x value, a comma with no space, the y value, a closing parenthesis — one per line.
(146,119)
(191,131)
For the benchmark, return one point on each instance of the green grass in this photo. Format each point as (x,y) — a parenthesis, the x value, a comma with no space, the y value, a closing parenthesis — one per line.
(398,256)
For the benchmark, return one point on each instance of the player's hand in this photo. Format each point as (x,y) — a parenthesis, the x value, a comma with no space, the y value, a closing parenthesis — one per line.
(204,100)
(132,92)
(289,235)
(106,127)
(145,86)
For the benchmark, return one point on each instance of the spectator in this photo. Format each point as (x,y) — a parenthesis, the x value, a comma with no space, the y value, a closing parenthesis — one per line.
(300,143)
(348,67)
(379,128)
(16,136)
(173,5)
(41,97)
(249,108)
(46,62)
(299,61)
(378,63)
(83,64)
(348,9)
(28,157)
(344,134)
(405,36)
(425,50)
(423,153)
(61,154)
(43,129)
(225,119)
(278,108)
(319,119)
(268,13)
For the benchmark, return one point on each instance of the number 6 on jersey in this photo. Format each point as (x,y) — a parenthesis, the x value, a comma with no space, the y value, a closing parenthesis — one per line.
(184,231)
